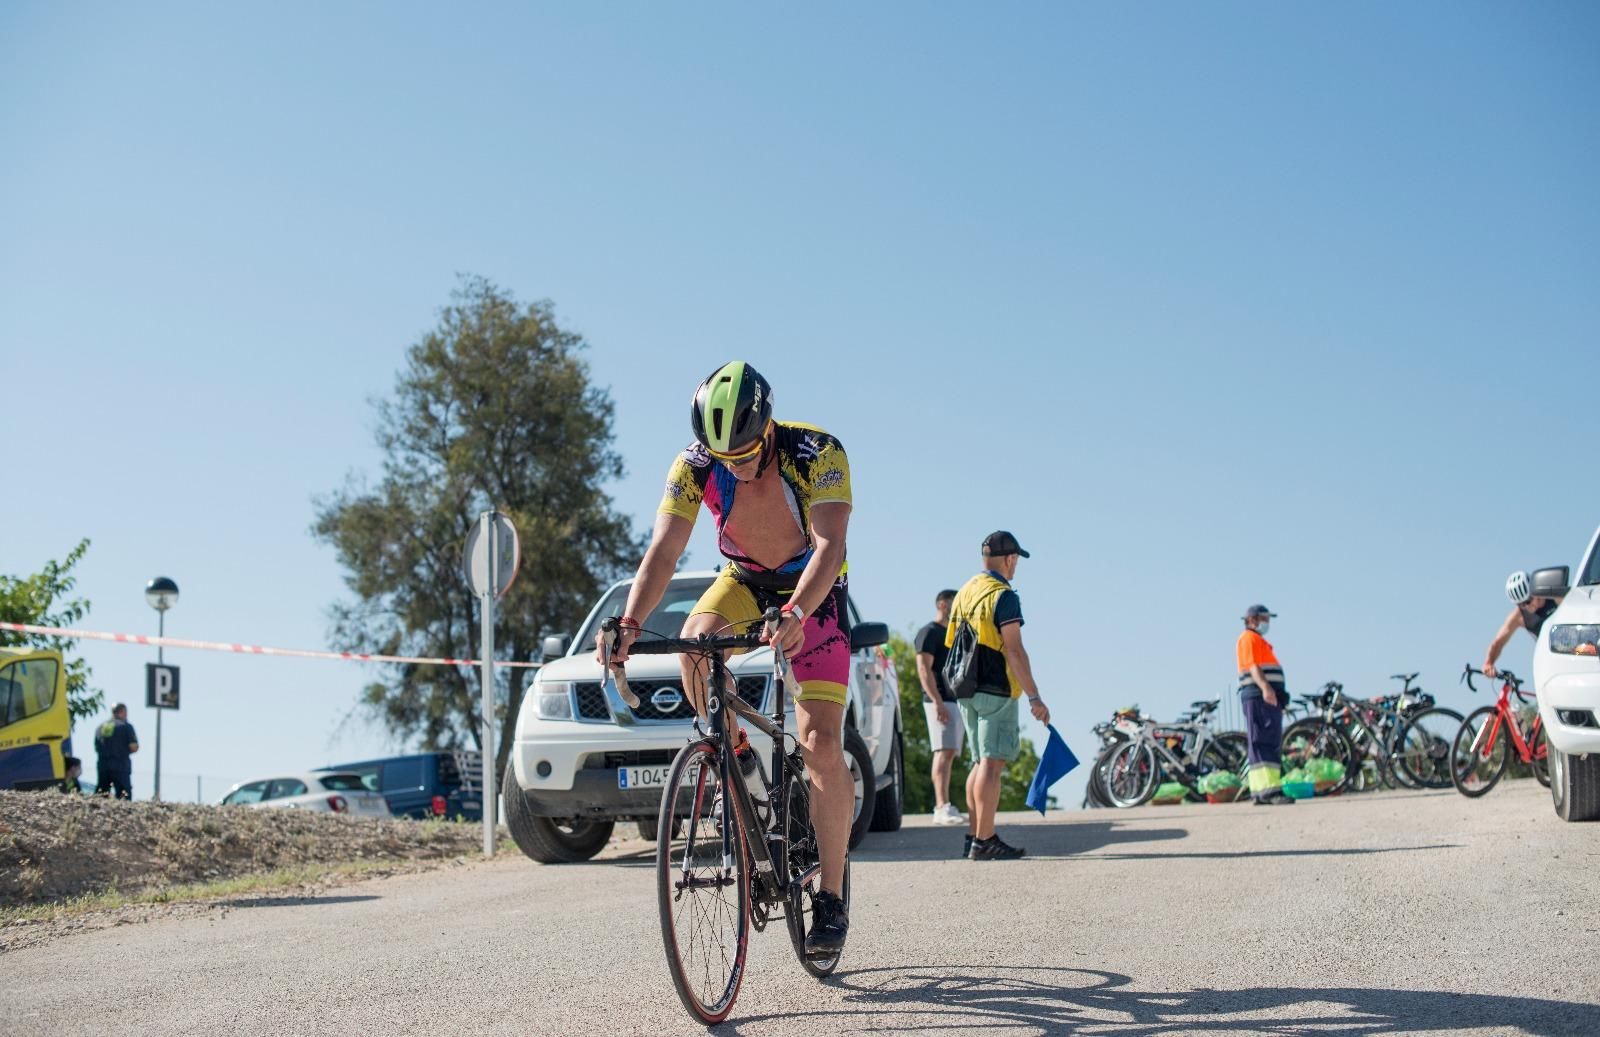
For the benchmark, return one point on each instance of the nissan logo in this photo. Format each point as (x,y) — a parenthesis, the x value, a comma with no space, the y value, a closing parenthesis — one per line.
(667,699)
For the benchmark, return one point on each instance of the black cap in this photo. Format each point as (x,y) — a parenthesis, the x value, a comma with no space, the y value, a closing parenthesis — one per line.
(121,705)
(1001,543)
(1259,610)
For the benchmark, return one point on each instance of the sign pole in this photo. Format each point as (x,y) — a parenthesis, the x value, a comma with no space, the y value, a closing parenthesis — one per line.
(160,660)
(490,532)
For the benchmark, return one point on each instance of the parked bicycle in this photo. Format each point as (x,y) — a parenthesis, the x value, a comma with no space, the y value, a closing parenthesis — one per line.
(1183,752)
(734,849)
(1400,739)
(1479,756)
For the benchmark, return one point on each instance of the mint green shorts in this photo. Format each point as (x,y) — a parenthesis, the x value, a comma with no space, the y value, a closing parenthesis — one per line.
(991,723)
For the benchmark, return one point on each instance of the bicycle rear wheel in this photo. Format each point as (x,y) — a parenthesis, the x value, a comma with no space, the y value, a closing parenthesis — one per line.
(1315,738)
(1422,747)
(1480,753)
(703,888)
(1131,774)
(804,879)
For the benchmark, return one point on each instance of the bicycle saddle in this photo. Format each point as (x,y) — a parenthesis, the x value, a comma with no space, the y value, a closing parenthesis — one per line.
(1407,677)
(1204,704)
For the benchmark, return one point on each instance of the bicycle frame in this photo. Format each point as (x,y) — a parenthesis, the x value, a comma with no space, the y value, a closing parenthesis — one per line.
(1505,716)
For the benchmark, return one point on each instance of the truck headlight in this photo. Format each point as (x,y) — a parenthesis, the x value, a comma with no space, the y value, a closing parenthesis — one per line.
(1575,638)
(553,701)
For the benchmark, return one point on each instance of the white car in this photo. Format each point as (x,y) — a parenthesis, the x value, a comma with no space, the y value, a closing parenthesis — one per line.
(336,792)
(583,760)
(1566,677)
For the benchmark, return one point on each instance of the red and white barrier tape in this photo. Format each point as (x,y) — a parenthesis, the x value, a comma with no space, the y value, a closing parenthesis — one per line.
(219,646)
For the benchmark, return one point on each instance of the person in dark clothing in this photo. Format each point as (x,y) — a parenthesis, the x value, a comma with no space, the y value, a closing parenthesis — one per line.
(939,705)
(71,767)
(114,745)
(1527,613)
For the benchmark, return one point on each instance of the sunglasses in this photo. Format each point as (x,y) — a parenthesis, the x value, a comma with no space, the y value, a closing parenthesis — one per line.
(735,460)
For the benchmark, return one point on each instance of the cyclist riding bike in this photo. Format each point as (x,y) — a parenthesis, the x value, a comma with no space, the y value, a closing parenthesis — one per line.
(1527,613)
(785,545)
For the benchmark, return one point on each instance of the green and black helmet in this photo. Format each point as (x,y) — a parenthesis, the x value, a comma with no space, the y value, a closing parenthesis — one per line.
(731,409)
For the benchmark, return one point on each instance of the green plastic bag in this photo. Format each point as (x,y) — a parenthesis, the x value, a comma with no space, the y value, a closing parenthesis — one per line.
(1321,770)
(1170,790)
(1218,781)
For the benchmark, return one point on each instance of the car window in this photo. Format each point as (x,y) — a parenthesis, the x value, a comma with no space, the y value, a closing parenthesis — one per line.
(666,619)
(404,774)
(343,783)
(850,610)
(449,773)
(27,688)
(254,792)
(1591,572)
(284,787)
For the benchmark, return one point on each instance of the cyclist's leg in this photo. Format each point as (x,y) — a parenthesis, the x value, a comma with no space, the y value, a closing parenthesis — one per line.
(822,666)
(727,606)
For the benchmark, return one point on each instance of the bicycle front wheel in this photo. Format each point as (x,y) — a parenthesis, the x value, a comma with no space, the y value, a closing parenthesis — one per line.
(1131,774)
(1480,753)
(1541,756)
(1316,739)
(1422,747)
(703,885)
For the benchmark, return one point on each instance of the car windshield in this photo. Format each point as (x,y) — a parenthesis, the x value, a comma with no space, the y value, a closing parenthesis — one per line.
(343,783)
(667,619)
(1591,572)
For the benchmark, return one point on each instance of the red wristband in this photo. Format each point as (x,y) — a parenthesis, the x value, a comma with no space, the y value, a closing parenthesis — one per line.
(628,621)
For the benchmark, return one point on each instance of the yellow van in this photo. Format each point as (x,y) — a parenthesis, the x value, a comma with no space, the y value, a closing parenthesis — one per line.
(35,727)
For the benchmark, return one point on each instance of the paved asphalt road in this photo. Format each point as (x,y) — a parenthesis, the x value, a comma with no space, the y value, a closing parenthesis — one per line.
(1378,914)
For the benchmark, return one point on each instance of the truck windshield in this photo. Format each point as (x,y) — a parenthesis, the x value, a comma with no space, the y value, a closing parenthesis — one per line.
(1591,572)
(667,619)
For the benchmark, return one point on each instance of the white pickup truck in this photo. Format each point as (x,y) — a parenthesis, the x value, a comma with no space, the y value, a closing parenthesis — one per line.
(1566,677)
(583,760)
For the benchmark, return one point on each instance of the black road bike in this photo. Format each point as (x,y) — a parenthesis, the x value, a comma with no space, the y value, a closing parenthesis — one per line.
(735,848)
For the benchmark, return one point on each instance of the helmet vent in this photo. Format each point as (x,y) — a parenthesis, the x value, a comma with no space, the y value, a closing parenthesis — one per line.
(716,424)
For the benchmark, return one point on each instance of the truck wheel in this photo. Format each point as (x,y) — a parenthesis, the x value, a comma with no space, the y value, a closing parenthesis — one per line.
(546,839)
(860,762)
(1575,785)
(888,810)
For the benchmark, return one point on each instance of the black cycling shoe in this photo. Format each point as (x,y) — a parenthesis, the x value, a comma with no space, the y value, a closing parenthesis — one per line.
(995,849)
(830,924)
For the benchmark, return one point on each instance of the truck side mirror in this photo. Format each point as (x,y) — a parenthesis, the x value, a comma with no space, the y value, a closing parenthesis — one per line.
(868,635)
(1550,583)
(555,646)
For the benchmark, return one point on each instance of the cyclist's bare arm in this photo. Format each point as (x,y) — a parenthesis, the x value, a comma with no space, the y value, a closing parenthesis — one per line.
(829,522)
(1508,630)
(1261,682)
(1018,662)
(667,541)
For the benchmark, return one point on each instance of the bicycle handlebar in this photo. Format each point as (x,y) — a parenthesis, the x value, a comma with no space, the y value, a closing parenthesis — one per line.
(1505,675)
(704,646)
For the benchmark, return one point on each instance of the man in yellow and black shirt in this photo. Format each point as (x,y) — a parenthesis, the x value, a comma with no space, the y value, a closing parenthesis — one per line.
(989,605)
(1263,694)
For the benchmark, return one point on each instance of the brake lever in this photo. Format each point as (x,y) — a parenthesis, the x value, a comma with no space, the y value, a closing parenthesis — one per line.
(614,672)
(771,618)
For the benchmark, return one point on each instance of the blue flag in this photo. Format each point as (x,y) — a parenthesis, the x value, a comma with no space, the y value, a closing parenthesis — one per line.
(1054,765)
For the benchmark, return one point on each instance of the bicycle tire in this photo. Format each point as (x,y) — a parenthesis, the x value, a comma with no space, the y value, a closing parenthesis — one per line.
(803,856)
(1475,771)
(1315,737)
(1367,746)
(1541,758)
(698,910)
(1132,773)
(1423,750)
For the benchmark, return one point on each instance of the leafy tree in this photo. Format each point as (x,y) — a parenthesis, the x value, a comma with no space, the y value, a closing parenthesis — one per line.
(493,407)
(40,600)
(919,756)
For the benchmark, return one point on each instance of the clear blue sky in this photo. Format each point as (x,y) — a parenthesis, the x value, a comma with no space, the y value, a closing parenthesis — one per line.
(1209,304)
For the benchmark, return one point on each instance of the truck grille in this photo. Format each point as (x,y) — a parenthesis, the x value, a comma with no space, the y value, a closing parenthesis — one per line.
(592,699)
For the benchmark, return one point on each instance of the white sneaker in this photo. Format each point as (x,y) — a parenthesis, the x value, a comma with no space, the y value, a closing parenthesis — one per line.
(948,815)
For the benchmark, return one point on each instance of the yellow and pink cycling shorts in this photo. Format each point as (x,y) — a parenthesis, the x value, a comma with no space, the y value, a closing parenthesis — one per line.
(822,665)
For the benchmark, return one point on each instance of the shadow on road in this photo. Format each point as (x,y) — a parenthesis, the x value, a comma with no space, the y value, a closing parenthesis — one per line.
(933,844)
(1247,854)
(1045,1000)
(296,901)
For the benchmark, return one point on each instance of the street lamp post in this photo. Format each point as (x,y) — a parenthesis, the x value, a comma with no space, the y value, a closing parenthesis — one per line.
(161,593)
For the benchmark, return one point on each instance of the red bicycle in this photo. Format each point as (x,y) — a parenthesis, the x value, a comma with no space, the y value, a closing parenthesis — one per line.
(1480,755)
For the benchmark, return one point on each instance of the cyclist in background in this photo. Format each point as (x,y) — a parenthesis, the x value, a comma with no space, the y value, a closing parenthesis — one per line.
(1527,613)
(785,545)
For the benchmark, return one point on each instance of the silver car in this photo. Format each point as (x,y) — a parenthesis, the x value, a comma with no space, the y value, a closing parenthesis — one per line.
(333,792)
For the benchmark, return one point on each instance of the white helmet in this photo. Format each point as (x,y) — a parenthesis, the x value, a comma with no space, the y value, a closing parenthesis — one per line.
(1517,588)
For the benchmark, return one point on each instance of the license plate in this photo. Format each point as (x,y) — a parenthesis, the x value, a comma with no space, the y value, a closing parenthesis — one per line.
(642,777)
(647,777)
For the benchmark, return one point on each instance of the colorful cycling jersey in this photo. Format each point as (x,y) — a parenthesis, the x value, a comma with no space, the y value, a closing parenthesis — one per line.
(814,470)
